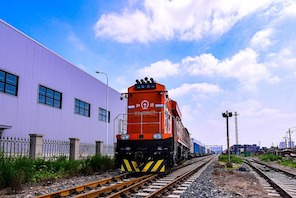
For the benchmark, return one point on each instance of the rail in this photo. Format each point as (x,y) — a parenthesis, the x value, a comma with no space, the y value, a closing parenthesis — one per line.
(275,185)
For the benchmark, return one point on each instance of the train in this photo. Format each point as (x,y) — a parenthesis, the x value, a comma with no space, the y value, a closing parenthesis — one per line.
(151,136)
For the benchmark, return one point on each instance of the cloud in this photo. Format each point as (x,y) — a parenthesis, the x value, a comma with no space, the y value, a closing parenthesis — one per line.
(182,19)
(284,58)
(205,64)
(242,66)
(160,69)
(262,39)
(78,44)
(196,88)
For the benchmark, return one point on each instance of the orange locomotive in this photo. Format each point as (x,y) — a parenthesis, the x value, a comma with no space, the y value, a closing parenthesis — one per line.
(152,138)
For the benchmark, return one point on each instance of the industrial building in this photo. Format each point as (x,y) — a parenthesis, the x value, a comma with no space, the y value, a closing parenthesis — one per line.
(42,93)
(246,148)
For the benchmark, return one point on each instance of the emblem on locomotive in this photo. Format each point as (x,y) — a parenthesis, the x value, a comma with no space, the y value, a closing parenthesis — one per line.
(144,104)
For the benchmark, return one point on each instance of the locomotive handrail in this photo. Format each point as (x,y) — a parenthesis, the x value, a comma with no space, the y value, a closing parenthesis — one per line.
(122,123)
(120,129)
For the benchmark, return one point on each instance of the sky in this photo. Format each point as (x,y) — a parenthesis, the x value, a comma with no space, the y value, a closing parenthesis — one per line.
(212,56)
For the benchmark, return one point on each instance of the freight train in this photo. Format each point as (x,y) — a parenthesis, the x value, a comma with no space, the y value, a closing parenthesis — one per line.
(151,136)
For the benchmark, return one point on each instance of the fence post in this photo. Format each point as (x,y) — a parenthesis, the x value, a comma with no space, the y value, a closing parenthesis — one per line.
(74,148)
(99,148)
(36,143)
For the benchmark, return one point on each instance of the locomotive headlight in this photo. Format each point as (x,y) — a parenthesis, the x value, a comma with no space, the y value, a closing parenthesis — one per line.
(157,136)
(125,137)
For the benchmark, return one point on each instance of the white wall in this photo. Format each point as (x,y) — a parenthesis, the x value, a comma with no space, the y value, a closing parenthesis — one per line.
(34,64)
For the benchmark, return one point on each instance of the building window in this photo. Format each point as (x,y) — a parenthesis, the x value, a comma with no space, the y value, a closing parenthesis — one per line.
(50,97)
(82,108)
(8,83)
(102,115)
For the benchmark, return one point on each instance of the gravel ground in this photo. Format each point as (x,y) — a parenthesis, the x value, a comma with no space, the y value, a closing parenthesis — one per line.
(215,181)
(205,187)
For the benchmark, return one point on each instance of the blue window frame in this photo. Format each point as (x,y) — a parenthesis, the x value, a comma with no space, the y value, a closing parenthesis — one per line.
(8,83)
(103,115)
(50,97)
(82,108)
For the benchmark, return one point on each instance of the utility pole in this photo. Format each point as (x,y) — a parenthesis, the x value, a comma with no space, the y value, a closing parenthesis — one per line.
(290,139)
(226,115)
(236,132)
(285,138)
(236,128)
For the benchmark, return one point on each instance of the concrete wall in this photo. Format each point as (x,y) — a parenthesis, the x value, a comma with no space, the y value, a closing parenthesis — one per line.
(36,65)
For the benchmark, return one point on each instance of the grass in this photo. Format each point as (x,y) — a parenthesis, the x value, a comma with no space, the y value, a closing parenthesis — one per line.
(288,162)
(233,159)
(283,161)
(14,172)
(270,157)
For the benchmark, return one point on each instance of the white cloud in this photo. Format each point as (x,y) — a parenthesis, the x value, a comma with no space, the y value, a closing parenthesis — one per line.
(243,66)
(182,19)
(160,69)
(205,64)
(261,40)
(196,88)
(289,9)
(284,58)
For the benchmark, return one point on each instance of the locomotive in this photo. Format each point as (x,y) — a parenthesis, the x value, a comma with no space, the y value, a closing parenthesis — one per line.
(151,136)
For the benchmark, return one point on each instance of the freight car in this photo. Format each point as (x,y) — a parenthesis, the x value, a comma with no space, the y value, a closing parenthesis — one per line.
(151,136)
(198,149)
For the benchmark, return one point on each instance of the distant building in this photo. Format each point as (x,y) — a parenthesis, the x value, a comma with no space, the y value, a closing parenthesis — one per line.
(42,93)
(283,145)
(246,148)
(286,144)
(216,148)
(292,145)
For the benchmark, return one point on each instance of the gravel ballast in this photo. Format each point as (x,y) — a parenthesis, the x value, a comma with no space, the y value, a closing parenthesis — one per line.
(204,187)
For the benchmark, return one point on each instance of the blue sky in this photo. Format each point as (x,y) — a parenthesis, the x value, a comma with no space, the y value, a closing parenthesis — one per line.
(212,55)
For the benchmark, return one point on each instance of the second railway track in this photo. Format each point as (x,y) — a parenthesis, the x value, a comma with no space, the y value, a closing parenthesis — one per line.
(277,182)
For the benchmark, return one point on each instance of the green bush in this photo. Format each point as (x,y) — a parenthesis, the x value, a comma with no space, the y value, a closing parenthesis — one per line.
(233,159)
(100,163)
(74,167)
(288,162)
(17,171)
(270,157)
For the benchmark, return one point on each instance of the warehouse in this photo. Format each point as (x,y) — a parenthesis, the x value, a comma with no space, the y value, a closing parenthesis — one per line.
(42,93)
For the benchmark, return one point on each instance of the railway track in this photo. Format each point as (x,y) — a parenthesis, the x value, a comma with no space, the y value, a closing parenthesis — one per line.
(148,185)
(174,184)
(277,182)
